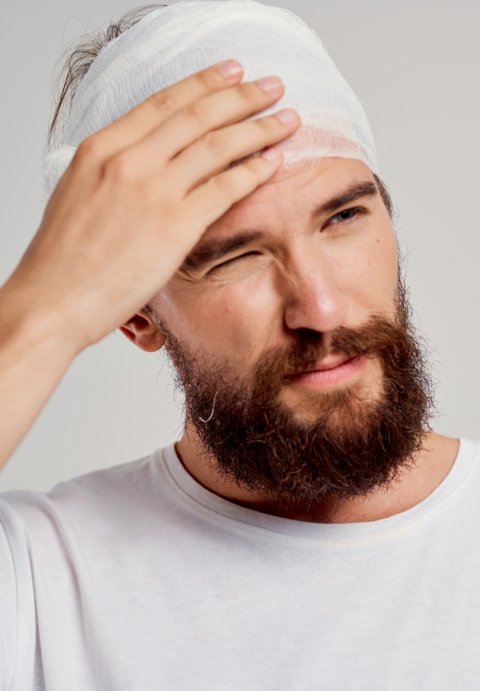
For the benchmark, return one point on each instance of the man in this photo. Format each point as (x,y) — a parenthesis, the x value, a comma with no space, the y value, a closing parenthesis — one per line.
(309,530)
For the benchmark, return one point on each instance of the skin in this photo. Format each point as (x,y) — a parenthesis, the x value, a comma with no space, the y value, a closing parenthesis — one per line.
(135,199)
(307,273)
(161,169)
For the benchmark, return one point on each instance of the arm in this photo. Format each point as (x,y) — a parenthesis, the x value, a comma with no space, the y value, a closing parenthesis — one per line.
(34,355)
(135,200)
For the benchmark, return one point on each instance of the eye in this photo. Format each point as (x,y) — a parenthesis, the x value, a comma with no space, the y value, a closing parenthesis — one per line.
(231,261)
(347,215)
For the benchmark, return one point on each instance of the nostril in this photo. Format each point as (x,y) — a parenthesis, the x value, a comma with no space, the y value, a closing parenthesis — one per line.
(306,335)
(316,314)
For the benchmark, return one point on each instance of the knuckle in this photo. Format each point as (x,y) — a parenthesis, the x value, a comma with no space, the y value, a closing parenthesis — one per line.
(213,143)
(218,185)
(249,173)
(251,93)
(89,149)
(118,168)
(207,79)
(268,124)
(255,165)
(163,102)
(244,172)
(193,111)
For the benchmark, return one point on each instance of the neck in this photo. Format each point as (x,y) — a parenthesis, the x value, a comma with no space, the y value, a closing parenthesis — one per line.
(430,467)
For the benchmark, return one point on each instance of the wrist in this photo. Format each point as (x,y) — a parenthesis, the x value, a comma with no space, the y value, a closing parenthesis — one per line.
(28,323)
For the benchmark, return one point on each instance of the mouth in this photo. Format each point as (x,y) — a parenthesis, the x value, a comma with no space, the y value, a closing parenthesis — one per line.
(329,372)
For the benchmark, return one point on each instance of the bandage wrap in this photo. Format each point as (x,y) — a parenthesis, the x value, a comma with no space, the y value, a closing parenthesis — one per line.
(173,42)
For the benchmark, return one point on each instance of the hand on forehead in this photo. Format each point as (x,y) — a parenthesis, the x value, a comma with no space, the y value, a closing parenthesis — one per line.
(177,40)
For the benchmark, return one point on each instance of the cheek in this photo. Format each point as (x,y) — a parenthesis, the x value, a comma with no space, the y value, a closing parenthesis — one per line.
(236,318)
(369,272)
(244,314)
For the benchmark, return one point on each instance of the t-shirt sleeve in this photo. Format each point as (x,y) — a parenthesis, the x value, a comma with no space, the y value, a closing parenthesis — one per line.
(8,600)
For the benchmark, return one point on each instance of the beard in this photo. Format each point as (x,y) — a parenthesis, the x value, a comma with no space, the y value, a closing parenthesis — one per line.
(334,445)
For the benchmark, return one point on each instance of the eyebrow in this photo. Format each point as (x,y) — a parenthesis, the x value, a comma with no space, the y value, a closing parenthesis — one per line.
(214,249)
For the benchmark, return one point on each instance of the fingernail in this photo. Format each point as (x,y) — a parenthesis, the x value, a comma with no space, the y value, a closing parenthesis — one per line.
(229,68)
(287,116)
(270,84)
(271,154)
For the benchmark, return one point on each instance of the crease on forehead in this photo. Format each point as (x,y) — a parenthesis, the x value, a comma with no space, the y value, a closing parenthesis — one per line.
(209,249)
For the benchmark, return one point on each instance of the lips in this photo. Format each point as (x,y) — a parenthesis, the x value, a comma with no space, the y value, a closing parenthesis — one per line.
(329,363)
(328,373)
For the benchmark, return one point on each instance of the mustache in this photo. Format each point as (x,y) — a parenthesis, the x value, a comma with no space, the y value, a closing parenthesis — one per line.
(378,336)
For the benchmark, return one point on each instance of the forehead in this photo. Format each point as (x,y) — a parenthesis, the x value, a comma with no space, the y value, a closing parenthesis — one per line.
(293,191)
(291,200)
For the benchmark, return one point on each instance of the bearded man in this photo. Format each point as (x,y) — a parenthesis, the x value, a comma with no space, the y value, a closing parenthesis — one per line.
(309,530)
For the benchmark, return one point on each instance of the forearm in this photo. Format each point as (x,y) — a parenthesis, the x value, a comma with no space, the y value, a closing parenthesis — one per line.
(33,358)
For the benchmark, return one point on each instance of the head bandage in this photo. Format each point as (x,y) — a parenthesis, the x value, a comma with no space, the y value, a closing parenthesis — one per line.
(175,41)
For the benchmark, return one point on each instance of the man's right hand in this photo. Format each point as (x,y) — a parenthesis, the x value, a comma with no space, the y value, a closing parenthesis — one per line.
(139,194)
(136,198)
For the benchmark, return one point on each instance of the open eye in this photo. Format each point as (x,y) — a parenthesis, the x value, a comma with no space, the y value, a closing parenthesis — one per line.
(347,215)
(231,261)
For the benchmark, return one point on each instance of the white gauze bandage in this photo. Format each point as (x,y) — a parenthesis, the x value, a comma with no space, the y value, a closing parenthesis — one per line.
(172,42)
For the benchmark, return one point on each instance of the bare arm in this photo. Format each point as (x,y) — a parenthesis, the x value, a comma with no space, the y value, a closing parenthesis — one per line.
(135,200)
(34,355)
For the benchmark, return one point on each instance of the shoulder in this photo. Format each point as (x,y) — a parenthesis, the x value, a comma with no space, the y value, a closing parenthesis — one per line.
(100,494)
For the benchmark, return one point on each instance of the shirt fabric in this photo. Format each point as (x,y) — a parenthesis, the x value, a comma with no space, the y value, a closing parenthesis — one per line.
(137,578)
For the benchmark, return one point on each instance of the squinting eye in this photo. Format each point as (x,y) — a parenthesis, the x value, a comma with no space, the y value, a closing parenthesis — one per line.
(232,260)
(347,215)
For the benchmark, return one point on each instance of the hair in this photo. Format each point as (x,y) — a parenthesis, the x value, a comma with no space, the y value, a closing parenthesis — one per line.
(78,61)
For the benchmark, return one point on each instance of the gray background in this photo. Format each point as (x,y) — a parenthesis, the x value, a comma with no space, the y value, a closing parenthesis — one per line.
(414,65)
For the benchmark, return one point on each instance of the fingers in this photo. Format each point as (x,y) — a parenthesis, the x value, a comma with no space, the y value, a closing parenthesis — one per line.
(215,151)
(200,117)
(147,115)
(213,198)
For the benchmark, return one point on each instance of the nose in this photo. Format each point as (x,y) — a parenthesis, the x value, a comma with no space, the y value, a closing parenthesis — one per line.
(313,300)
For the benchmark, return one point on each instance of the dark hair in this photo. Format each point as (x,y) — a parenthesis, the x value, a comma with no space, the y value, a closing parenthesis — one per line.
(385,194)
(78,61)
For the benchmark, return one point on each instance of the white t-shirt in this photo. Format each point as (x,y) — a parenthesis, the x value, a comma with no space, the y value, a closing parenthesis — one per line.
(136,578)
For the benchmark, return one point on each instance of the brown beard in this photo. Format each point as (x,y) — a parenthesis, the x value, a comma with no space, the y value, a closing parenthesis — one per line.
(351,444)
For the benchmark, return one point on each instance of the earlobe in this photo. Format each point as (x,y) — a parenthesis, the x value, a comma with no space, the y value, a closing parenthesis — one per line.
(143,331)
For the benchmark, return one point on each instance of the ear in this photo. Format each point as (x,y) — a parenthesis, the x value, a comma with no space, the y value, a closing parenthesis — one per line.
(143,331)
